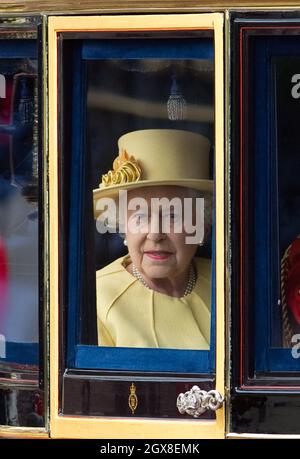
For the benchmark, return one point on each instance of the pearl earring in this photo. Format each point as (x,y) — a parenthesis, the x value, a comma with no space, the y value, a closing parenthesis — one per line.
(125,242)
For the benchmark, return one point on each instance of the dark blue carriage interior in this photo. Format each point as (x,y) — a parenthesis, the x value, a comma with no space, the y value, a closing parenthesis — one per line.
(276,189)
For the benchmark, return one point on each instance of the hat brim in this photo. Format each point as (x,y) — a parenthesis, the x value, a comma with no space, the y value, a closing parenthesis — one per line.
(112,191)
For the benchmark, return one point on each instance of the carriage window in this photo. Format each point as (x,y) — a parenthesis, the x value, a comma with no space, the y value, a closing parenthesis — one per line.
(271,205)
(136,194)
(287,110)
(19,204)
(143,132)
(21,397)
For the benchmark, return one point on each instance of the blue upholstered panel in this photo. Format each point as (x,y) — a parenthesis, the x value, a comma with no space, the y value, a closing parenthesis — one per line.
(18,49)
(190,48)
(21,353)
(166,360)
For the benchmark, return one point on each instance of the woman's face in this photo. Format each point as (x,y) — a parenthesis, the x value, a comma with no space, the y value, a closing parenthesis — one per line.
(156,249)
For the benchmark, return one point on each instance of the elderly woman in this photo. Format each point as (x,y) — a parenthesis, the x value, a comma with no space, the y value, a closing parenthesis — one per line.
(158,296)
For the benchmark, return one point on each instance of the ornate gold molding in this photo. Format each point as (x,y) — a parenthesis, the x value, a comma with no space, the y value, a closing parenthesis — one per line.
(101,6)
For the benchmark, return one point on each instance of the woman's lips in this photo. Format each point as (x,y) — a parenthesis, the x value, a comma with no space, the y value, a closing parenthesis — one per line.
(158,255)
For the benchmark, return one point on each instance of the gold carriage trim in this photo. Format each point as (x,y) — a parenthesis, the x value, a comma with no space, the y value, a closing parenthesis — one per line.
(126,169)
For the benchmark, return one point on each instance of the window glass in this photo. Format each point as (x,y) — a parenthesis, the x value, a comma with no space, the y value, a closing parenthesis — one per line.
(287,110)
(273,198)
(21,396)
(149,105)
(19,326)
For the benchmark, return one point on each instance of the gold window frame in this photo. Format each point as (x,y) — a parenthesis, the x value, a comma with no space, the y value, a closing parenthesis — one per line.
(65,426)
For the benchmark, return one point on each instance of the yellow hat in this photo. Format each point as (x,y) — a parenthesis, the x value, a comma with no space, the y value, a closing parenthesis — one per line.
(154,157)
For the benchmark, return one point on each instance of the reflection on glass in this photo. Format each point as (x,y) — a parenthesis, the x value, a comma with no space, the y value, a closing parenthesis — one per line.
(19,212)
(21,408)
(150,132)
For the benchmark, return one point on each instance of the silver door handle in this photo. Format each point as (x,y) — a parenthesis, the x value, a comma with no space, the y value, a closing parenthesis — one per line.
(197,401)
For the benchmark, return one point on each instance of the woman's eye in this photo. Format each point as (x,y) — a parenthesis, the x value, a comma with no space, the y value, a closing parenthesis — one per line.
(171,216)
(140,218)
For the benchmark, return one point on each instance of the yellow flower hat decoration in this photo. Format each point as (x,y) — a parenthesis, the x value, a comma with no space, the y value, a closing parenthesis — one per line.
(126,169)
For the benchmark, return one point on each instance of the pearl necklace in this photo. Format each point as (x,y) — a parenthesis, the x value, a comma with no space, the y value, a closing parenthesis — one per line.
(189,286)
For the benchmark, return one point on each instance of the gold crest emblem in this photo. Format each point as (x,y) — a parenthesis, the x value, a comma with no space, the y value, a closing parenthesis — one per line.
(132,399)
